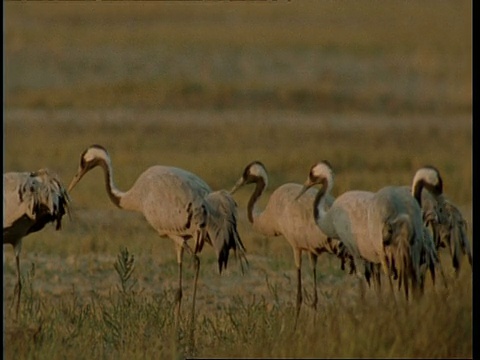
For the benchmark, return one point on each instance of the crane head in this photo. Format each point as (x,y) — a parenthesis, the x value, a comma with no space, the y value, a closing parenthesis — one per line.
(253,173)
(93,156)
(320,173)
(430,178)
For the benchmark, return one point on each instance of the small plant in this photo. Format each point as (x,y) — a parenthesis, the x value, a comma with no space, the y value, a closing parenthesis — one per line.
(124,267)
(113,329)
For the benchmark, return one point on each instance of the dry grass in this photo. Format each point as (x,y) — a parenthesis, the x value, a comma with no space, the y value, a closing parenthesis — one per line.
(378,89)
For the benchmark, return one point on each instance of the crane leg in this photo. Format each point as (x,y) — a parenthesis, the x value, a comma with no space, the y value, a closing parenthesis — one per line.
(313,263)
(390,285)
(299,296)
(18,288)
(377,280)
(179,293)
(388,274)
(196,260)
(298,262)
(178,296)
(361,284)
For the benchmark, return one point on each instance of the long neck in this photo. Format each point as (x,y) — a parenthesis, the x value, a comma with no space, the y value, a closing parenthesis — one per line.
(259,188)
(114,194)
(319,208)
(417,188)
(431,183)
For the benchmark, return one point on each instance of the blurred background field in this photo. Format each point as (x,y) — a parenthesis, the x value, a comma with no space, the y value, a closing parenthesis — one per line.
(377,88)
(379,57)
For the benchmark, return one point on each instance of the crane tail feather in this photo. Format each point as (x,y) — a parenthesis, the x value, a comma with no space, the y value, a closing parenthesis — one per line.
(457,234)
(450,230)
(222,229)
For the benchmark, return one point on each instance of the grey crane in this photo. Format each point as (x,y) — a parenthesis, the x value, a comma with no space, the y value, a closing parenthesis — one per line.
(441,216)
(178,205)
(443,222)
(30,201)
(291,219)
(380,228)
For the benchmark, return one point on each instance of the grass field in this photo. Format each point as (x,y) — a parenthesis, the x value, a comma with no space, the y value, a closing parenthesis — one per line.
(378,89)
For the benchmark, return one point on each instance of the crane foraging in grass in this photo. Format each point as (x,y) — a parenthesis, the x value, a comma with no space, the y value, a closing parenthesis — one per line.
(443,218)
(178,205)
(291,219)
(30,201)
(382,228)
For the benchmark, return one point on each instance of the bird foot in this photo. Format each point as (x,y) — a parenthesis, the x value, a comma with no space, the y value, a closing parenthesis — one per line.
(311,301)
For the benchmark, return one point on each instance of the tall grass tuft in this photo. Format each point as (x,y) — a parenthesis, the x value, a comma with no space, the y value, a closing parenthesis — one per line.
(124,266)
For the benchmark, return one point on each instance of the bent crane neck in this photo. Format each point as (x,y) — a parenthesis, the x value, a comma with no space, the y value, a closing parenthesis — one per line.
(319,203)
(118,197)
(417,188)
(262,221)
(259,188)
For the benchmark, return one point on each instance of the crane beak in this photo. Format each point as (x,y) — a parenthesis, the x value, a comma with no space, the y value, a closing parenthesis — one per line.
(305,187)
(237,185)
(76,179)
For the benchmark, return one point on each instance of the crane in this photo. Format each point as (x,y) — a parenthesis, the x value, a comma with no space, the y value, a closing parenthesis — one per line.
(31,200)
(179,205)
(441,216)
(378,228)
